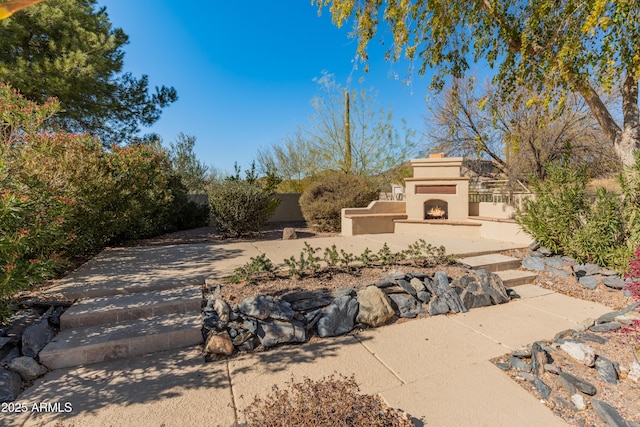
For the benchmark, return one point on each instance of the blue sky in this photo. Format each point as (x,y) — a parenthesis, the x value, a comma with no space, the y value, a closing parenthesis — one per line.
(244,70)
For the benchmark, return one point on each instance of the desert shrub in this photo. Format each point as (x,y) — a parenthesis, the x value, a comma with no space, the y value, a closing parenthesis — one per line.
(603,230)
(240,207)
(327,402)
(323,200)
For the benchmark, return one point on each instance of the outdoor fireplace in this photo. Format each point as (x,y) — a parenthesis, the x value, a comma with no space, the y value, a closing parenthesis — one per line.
(435,209)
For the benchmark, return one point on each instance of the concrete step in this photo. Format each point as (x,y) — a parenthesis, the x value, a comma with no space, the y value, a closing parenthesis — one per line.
(122,308)
(74,347)
(511,278)
(491,262)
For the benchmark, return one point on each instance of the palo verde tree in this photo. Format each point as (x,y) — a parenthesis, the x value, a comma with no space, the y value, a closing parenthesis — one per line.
(69,50)
(192,172)
(589,47)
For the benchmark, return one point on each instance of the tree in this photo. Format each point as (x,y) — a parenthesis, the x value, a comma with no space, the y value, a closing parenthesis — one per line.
(67,49)
(588,47)
(520,138)
(186,165)
(368,144)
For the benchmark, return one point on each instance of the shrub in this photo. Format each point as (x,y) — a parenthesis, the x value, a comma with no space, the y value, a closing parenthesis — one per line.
(240,207)
(323,200)
(326,402)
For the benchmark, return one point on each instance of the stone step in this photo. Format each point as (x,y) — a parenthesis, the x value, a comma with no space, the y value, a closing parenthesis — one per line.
(491,262)
(511,278)
(121,308)
(74,347)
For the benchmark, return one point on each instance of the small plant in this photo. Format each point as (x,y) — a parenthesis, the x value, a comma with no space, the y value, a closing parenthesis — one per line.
(307,261)
(346,258)
(368,258)
(424,254)
(250,271)
(386,257)
(331,256)
(326,402)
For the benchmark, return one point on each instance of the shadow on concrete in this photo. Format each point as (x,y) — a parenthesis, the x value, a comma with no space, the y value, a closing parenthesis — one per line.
(146,379)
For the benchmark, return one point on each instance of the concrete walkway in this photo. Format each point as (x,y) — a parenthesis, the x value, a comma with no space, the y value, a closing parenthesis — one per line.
(437,369)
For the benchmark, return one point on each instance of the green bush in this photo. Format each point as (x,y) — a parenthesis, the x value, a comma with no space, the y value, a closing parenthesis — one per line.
(603,230)
(239,207)
(323,200)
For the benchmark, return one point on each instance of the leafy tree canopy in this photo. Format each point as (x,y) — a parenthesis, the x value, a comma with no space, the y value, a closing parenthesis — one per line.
(585,46)
(69,50)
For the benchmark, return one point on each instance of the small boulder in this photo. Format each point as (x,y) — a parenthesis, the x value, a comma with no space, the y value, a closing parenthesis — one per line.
(582,385)
(606,370)
(608,414)
(375,307)
(289,233)
(36,336)
(27,367)
(339,317)
(578,401)
(589,282)
(263,307)
(614,282)
(580,352)
(407,305)
(533,263)
(10,383)
(219,343)
(274,332)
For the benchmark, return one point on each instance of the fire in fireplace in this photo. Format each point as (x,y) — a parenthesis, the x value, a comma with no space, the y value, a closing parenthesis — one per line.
(435,209)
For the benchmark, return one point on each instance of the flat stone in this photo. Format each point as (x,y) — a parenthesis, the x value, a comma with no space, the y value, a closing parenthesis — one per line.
(584,325)
(11,353)
(534,246)
(417,284)
(375,307)
(608,414)
(274,332)
(491,284)
(554,261)
(563,335)
(519,365)
(533,263)
(522,353)
(394,275)
(408,306)
(594,338)
(539,358)
(610,317)
(554,369)
(263,307)
(628,318)
(10,383)
(582,385)
(614,282)
(589,282)
(606,370)
(580,352)
(36,336)
(407,286)
(542,388)
(222,308)
(311,303)
(348,291)
(437,306)
(339,317)
(424,296)
(606,327)
(219,343)
(564,402)
(634,372)
(27,367)
(503,366)
(586,269)
(557,271)
(565,384)
(545,251)
(444,291)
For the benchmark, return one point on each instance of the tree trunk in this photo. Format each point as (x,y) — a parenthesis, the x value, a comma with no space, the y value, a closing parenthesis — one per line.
(348,157)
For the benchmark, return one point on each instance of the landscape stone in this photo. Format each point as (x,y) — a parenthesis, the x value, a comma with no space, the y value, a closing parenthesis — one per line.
(550,367)
(608,414)
(311,303)
(614,282)
(519,365)
(610,317)
(567,333)
(219,343)
(348,291)
(263,307)
(36,336)
(634,372)
(628,318)
(408,306)
(503,366)
(274,332)
(605,327)
(522,353)
(12,352)
(606,370)
(418,284)
(539,358)
(545,251)
(311,318)
(444,291)
(594,338)
(527,376)
(242,335)
(394,275)
(543,389)
(554,261)
(533,263)
(584,325)
(582,385)
(557,272)
(589,282)
(586,269)
(580,352)
(578,400)
(375,307)
(564,402)
(567,385)
(212,321)
(222,308)
(27,367)
(534,246)
(406,286)
(491,284)
(9,385)
(471,300)
(437,306)
(289,233)
(339,317)
(424,296)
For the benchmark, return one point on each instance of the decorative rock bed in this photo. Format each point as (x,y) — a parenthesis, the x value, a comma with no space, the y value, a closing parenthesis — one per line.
(295,317)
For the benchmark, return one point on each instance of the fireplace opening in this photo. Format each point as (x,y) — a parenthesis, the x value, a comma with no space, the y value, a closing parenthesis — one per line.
(436,209)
